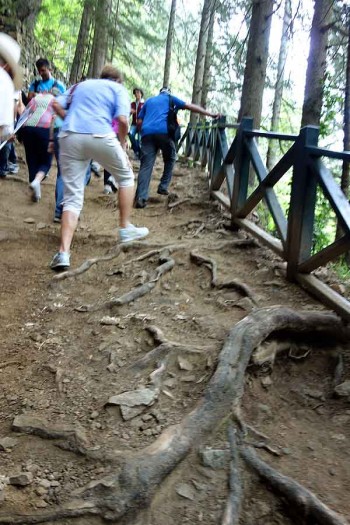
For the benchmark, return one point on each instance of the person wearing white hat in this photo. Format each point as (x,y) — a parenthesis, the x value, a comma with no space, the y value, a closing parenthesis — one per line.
(10,80)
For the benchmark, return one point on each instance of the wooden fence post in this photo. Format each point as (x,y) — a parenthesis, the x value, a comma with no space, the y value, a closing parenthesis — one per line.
(302,203)
(241,165)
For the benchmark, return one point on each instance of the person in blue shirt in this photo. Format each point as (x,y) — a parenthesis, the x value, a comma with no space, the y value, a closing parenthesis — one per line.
(47,82)
(153,119)
(86,133)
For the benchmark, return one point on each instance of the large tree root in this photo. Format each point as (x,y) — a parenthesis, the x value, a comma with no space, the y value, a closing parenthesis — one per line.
(308,506)
(233,505)
(137,476)
(166,265)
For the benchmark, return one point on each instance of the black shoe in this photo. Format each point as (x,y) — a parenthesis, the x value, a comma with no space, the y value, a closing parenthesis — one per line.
(140,203)
(160,191)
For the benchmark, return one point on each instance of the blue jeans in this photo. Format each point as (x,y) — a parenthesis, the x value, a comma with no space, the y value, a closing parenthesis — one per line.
(135,142)
(59,190)
(151,144)
(4,157)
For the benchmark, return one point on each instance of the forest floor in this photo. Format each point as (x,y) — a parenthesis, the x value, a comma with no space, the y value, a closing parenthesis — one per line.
(60,366)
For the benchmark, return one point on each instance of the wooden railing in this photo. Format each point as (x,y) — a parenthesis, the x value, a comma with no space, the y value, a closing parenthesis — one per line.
(229,171)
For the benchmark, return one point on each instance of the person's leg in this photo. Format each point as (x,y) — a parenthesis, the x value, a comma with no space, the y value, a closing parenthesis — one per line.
(108,152)
(44,160)
(29,143)
(74,163)
(4,155)
(59,181)
(12,160)
(132,133)
(148,156)
(167,147)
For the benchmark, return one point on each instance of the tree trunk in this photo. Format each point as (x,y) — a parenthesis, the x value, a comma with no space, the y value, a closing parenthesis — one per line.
(114,34)
(100,43)
(208,58)
(169,42)
(316,68)
(82,43)
(256,62)
(276,109)
(345,176)
(208,7)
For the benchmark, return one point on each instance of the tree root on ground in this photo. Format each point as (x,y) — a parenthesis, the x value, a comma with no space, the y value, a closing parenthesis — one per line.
(138,475)
(233,505)
(164,349)
(307,505)
(211,264)
(166,265)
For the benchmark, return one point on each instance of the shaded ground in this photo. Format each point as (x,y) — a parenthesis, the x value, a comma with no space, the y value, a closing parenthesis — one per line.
(62,366)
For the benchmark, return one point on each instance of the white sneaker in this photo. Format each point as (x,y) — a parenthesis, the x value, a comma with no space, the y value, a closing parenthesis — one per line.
(36,190)
(60,261)
(132,233)
(113,183)
(107,190)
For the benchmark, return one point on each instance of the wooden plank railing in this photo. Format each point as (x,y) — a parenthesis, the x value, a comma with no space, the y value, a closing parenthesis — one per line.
(229,169)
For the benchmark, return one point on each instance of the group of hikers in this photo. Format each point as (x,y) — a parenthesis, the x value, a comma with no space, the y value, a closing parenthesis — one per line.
(87,122)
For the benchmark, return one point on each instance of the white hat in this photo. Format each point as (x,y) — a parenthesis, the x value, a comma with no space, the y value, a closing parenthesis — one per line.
(11,52)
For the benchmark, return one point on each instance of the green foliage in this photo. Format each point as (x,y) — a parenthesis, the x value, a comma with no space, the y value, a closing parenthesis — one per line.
(57,28)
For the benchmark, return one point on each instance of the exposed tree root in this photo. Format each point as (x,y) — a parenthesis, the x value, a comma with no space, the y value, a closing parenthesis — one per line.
(164,349)
(86,265)
(212,267)
(233,505)
(136,292)
(137,476)
(301,500)
(175,204)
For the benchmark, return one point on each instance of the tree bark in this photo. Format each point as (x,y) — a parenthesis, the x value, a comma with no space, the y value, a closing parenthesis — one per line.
(169,42)
(100,42)
(82,43)
(208,59)
(276,109)
(256,62)
(201,53)
(316,68)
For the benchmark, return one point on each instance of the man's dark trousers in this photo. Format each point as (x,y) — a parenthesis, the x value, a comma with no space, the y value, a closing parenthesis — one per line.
(151,144)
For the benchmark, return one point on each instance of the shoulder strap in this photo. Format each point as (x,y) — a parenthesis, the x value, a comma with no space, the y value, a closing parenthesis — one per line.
(36,84)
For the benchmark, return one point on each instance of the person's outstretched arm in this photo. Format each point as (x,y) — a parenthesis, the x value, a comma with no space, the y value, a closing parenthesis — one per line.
(198,109)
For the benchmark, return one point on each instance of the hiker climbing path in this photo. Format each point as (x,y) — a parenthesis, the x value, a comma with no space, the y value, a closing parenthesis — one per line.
(169,374)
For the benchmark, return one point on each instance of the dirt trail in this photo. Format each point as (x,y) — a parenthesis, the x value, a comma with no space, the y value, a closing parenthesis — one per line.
(61,366)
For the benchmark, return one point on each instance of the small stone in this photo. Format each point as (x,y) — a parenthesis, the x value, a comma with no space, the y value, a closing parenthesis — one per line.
(332,471)
(21,480)
(215,458)
(41,504)
(7,443)
(266,381)
(111,321)
(41,226)
(55,484)
(94,414)
(29,220)
(343,390)
(287,451)
(45,483)
(40,491)
(184,364)
(186,491)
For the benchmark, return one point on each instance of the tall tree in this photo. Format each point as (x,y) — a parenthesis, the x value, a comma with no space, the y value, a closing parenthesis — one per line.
(169,42)
(100,42)
(208,6)
(256,61)
(282,57)
(82,42)
(316,67)
(208,57)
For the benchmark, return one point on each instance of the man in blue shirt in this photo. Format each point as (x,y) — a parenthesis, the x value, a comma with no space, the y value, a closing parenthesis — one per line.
(47,82)
(88,109)
(155,136)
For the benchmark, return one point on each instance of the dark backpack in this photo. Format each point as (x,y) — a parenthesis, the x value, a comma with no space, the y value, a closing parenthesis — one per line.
(37,82)
(173,125)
